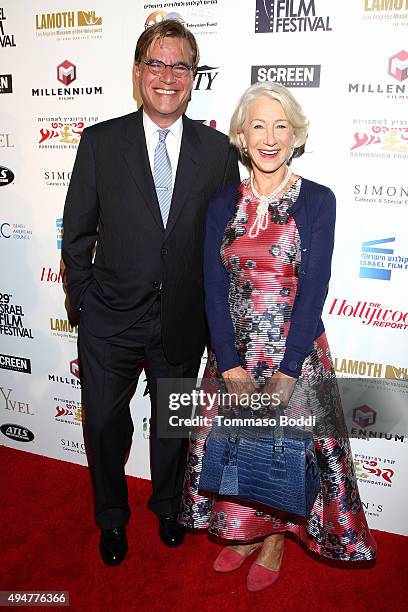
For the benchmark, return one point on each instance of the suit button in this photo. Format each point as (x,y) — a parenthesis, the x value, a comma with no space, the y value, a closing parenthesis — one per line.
(164,251)
(156,285)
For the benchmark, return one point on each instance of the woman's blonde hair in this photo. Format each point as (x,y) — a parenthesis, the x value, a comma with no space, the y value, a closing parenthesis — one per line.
(291,106)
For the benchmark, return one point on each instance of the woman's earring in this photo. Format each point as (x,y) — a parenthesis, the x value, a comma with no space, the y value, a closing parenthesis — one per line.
(245,150)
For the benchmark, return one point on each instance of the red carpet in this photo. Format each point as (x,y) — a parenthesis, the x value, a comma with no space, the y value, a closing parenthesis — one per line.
(49,542)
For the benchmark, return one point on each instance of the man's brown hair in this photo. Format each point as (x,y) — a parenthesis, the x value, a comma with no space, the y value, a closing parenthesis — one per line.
(168,27)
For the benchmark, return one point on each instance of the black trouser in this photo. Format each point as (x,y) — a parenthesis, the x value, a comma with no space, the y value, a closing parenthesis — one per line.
(110,368)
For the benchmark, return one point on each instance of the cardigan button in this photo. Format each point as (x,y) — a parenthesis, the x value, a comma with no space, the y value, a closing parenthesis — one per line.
(304,249)
(292,365)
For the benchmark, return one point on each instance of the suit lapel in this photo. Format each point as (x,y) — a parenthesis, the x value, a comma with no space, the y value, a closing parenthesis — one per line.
(186,171)
(137,160)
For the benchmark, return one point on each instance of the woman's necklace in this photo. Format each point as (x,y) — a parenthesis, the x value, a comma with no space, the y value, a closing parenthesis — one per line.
(261,221)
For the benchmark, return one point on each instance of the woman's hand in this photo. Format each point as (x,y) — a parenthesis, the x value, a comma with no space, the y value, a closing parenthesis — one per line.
(239,382)
(282,385)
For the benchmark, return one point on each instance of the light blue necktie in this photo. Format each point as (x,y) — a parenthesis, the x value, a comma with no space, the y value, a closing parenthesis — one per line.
(162,175)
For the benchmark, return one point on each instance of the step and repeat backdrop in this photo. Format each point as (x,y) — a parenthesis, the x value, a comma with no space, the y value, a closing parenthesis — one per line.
(63,69)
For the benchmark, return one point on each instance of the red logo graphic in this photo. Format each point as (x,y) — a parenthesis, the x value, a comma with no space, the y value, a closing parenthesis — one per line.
(366,468)
(364,415)
(61,411)
(66,72)
(70,410)
(398,66)
(74,368)
(391,139)
(69,132)
(370,313)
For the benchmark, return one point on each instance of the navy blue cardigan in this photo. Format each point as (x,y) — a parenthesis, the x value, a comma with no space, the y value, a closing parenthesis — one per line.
(314,213)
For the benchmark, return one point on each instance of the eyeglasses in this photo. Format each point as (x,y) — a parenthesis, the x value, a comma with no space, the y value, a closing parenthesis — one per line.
(158,68)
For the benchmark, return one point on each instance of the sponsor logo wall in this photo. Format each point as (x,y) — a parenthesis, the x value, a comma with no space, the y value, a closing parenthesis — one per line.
(65,68)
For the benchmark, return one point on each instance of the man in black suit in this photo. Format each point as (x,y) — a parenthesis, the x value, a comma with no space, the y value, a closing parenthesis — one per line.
(132,247)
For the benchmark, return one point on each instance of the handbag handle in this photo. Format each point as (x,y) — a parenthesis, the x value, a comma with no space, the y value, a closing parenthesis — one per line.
(278,430)
(231,450)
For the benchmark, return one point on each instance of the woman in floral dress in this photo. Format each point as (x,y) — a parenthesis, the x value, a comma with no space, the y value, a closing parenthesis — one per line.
(268,252)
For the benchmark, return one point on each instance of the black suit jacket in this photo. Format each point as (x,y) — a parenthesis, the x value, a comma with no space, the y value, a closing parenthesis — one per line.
(112,202)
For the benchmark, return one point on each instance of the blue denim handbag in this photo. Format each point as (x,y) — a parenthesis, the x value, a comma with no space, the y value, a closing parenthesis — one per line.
(274,466)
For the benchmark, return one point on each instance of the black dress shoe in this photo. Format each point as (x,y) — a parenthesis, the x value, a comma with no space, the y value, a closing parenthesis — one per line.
(113,545)
(170,531)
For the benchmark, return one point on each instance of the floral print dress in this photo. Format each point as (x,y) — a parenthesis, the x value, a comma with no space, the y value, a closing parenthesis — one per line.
(263,273)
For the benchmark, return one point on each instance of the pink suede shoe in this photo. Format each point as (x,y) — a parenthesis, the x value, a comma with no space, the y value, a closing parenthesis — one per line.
(229,560)
(260,577)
